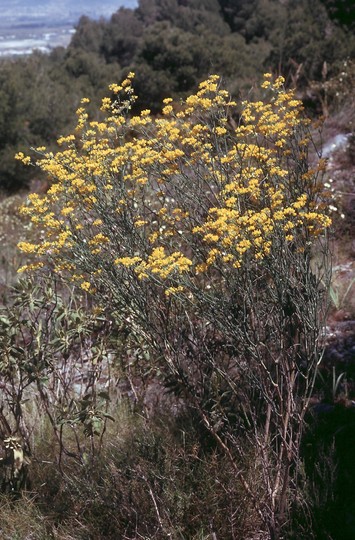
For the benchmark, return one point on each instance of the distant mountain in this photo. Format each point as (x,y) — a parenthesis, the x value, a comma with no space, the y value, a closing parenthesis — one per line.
(28,25)
(15,12)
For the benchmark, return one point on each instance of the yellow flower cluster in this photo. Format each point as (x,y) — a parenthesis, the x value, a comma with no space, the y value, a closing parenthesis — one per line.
(161,264)
(176,194)
(20,156)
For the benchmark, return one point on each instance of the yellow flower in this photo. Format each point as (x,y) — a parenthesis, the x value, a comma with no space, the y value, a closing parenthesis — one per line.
(20,156)
(115,88)
(27,247)
(99,239)
(220,130)
(85,285)
(106,104)
(174,290)
(167,110)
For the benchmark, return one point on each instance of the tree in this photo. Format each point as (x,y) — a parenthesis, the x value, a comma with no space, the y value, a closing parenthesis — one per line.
(328,42)
(341,11)
(122,37)
(174,61)
(88,34)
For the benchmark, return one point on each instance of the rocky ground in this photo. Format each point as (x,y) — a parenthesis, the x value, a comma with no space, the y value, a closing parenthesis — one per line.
(339,150)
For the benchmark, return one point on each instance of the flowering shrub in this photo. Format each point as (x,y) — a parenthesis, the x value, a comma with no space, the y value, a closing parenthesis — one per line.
(189,190)
(197,233)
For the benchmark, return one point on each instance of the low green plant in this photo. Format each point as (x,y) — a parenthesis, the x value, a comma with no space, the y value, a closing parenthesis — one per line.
(12,225)
(337,380)
(54,350)
(339,292)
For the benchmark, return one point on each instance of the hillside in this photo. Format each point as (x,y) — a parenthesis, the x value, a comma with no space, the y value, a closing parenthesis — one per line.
(177,350)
